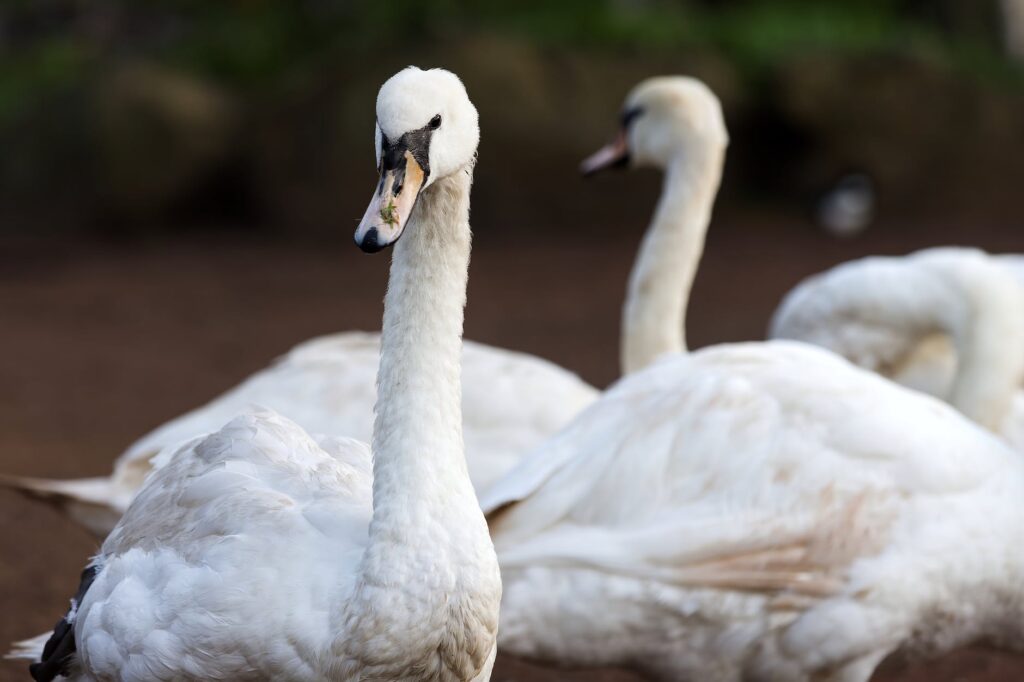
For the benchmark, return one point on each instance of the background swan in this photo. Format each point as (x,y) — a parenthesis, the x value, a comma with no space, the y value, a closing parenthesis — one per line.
(690,116)
(946,321)
(327,385)
(255,553)
(760,511)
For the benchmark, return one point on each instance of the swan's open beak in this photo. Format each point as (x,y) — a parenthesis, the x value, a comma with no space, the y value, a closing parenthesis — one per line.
(400,183)
(612,155)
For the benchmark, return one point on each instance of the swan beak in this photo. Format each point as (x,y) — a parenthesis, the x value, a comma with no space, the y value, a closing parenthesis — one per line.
(612,155)
(391,204)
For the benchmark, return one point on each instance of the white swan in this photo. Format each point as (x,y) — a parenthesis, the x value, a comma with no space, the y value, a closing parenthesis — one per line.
(945,321)
(760,511)
(327,385)
(654,315)
(256,553)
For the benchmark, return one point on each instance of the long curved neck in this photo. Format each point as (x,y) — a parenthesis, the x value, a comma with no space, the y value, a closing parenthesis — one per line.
(429,566)
(978,305)
(988,335)
(419,466)
(654,315)
(884,313)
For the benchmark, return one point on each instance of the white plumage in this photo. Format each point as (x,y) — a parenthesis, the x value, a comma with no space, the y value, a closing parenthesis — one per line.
(945,321)
(760,511)
(220,567)
(257,553)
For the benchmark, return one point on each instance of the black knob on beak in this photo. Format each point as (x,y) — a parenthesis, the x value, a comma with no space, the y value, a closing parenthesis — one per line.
(370,243)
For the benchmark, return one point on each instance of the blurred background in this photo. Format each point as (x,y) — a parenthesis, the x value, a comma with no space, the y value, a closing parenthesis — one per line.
(179,182)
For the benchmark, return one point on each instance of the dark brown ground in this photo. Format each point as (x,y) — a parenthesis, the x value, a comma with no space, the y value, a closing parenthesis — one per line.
(100,344)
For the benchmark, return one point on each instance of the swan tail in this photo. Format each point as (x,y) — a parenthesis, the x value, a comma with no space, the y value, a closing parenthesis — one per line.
(28,649)
(94,503)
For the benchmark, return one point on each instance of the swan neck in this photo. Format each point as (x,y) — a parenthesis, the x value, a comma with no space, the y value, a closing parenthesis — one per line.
(427,592)
(417,444)
(654,315)
(988,333)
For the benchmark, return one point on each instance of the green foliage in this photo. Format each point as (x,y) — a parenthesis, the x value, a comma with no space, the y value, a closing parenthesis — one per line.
(28,75)
(389,213)
(252,44)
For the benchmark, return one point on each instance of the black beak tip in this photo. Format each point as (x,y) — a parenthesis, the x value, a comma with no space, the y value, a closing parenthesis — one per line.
(370,242)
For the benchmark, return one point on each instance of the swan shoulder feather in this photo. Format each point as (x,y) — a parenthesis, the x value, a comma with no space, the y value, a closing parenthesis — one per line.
(231,516)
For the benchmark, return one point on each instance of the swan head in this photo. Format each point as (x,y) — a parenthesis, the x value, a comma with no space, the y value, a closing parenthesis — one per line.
(663,119)
(426,129)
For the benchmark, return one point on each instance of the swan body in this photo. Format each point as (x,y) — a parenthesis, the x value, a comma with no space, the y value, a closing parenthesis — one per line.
(513,401)
(759,511)
(257,552)
(1014,262)
(947,321)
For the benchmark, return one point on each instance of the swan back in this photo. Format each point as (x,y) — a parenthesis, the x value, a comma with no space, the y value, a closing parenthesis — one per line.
(758,499)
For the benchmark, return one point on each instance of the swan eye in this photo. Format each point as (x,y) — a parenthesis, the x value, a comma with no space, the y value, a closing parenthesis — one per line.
(435,122)
(630,115)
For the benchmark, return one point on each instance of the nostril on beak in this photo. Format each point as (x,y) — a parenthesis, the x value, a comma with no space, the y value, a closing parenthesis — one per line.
(370,242)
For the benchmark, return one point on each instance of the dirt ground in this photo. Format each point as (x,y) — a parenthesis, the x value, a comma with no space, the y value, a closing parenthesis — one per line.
(100,343)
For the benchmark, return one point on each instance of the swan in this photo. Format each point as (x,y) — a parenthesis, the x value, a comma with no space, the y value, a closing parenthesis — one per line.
(756,511)
(945,321)
(327,385)
(256,552)
(654,314)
